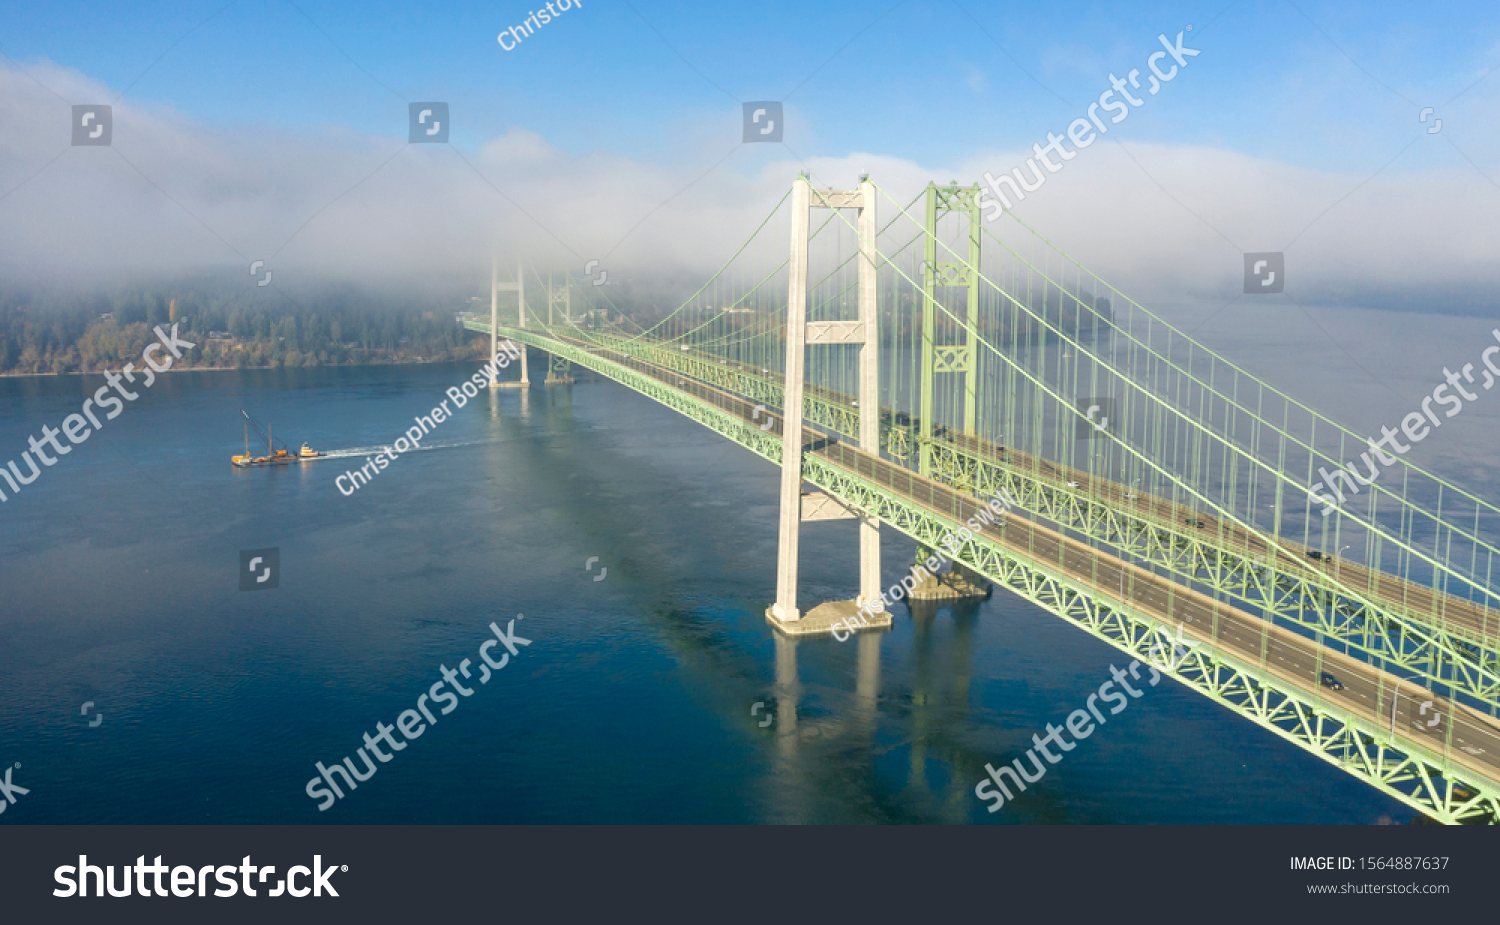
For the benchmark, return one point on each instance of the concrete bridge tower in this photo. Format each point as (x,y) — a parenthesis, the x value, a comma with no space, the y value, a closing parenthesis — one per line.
(862,332)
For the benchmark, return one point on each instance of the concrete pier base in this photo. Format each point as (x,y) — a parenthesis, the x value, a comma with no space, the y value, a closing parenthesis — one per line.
(821,620)
(958,584)
(497,384)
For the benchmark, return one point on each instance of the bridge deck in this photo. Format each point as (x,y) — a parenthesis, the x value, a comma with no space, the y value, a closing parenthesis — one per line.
(1430,752)
(1367,691)
(1463,736)
(1420,602)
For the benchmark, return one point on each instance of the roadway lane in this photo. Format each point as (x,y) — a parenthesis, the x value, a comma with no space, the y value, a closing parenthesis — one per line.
(1470,740)
(1418,603)
(1420,716)
(1467,738)
(1389,593)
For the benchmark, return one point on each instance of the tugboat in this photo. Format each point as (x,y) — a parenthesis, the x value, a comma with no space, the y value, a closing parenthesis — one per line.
(273,457)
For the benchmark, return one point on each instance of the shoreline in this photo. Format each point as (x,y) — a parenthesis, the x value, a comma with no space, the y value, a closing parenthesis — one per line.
(192,369)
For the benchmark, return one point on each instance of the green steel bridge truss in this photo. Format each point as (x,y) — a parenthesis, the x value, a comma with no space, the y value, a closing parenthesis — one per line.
(1303,597)
(1397,766)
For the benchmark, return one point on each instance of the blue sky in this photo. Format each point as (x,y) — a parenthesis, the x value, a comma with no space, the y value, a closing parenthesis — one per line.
(271,126)
(923,81)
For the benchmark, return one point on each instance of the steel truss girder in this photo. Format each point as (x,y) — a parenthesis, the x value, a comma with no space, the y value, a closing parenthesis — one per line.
(819,408)
(746,433)
(1471,671)
(1293,597)
(1287,596)
(1406,773)
(1399,769)
(721,373)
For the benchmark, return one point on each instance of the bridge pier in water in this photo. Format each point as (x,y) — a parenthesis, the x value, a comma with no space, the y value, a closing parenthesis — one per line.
(960,583)
(867,610)
(1184,573)
(559,371)
(519,288)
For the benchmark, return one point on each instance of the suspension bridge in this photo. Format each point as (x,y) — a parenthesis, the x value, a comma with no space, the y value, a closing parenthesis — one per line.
(912,370)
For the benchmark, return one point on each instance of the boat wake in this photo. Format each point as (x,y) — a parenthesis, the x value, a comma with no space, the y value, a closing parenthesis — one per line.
(372,450)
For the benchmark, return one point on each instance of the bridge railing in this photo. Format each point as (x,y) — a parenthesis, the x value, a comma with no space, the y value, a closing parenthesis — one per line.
(1203,435)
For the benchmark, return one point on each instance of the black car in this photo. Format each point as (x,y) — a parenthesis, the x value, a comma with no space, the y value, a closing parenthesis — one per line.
(1330,682)
(1193,522)
(1318,556)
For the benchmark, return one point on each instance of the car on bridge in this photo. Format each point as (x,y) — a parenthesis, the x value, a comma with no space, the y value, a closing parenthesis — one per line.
(1316,556)
(1330,682)
(1194,522)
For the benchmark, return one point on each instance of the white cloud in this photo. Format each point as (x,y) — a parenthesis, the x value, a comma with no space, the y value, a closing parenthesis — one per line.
(427,213)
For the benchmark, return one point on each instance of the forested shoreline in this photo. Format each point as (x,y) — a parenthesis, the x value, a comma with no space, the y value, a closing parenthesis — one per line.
(44,333)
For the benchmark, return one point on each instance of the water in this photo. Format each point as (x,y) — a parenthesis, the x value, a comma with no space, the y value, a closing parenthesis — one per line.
(119,585)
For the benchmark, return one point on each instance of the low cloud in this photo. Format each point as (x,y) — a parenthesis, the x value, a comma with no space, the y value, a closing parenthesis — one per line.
(173,194)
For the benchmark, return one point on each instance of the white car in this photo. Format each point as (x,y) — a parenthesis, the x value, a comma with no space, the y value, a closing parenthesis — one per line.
(1072,484)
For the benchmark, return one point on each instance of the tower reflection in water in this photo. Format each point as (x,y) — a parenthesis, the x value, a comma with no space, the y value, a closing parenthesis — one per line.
(831,745)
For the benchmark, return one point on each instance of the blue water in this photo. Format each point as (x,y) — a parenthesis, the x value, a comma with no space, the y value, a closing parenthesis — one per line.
(119,584)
